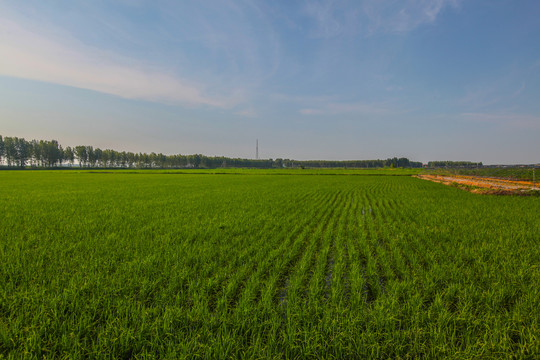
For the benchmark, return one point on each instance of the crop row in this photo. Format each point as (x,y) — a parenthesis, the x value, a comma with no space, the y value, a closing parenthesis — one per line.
(125,265)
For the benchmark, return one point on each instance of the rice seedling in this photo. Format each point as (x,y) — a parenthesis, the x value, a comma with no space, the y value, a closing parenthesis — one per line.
(251,265)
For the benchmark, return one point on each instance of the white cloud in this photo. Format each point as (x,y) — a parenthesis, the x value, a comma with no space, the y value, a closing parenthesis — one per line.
(63,60)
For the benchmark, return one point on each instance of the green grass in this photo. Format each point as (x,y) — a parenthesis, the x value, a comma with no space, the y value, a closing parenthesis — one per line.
(199,265)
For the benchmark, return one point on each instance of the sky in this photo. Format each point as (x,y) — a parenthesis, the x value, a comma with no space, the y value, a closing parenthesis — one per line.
(319,79)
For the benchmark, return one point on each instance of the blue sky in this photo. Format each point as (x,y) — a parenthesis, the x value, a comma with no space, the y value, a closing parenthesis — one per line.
(330,79)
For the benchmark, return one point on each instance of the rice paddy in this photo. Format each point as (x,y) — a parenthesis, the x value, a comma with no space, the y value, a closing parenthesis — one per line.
(255,265)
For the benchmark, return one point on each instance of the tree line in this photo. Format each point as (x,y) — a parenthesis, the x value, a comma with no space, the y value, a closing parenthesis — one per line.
(391,162)
(18,152)
(454,164)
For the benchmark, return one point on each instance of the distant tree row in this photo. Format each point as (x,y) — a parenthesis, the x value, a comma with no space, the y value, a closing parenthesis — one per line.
(391,162)
(18,152)
(454,164)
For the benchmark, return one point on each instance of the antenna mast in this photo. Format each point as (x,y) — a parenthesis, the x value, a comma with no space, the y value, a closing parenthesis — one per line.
(257,149)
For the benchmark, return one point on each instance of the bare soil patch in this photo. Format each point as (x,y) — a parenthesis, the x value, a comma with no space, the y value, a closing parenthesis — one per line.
(484,185)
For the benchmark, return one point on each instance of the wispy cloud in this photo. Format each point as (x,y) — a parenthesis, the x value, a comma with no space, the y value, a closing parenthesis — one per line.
(303,100)
(348,108)
(519,91)
(480,98)
(250,113)
(508,120)
(339,17)
(498,92)
(234,39)
(403,16)
(331,17)
(63,60)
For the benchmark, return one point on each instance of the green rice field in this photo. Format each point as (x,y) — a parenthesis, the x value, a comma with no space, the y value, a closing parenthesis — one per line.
(264,264)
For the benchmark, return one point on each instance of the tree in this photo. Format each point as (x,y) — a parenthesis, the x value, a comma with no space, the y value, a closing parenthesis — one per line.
(1,149)
(131,159)
(91,156)
(61,155)
(69,155)
(81,154)
(34,152)
(52,153)
(161,160)
(40,150)
(10,151)
(123,159)
(97,157)
(194,160)
(144,160)
(108,158)
(22,151)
